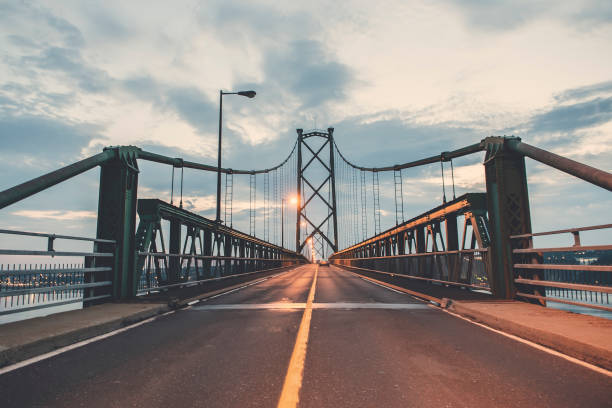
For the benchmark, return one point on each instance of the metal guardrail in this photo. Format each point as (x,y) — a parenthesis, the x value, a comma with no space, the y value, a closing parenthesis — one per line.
(207,250)
(465,268)
(30,287)
(567,278)
(431,246)
(198,269)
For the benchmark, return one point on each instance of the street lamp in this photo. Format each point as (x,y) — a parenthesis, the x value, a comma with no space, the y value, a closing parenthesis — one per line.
(248,94)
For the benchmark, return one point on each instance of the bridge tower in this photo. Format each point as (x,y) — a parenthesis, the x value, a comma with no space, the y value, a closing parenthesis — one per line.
(316,184)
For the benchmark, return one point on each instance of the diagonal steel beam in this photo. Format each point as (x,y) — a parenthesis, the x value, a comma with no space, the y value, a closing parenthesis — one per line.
(317,230)
(316,156)
(316,192)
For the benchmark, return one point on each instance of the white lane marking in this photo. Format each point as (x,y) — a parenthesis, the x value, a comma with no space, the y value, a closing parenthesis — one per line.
(320,306)
(64,349)
(383,286)
(434,305)
(536,346)
(252,306)
(246,286)
(351,305)
(234,290)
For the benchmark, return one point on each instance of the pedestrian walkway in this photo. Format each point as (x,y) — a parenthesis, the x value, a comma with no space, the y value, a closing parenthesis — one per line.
(29,338)
(587,338)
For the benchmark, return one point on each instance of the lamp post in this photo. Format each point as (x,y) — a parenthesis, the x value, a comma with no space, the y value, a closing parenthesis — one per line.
(248,94)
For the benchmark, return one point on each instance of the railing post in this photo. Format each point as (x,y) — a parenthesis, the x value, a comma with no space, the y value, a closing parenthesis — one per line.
(508,207)
(117,217)
(208,251)
(227,252)
(174,263)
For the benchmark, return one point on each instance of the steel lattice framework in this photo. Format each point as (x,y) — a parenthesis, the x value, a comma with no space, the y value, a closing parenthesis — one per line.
(329,182)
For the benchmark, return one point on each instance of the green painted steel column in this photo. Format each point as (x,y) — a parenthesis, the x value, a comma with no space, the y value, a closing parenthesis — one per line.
(174,263)
(117,217)
(508,207)
(227,252)
(208,251)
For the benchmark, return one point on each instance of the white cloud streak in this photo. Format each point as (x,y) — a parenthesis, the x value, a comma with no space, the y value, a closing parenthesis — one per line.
(59,215)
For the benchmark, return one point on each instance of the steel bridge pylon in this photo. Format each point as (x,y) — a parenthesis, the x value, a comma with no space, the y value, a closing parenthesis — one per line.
(317,191)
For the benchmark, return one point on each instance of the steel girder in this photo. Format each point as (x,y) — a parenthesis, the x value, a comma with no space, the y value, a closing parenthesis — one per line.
(509,214)
(424,234)
(329,181)
(234,251)
(117,214)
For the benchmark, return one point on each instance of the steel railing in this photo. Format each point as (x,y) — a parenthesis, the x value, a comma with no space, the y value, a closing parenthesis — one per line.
(198,269)
(27,287)
(577,275)
(465,268)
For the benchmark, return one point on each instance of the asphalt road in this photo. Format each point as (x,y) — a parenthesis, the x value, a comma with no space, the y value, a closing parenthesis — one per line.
(367,346)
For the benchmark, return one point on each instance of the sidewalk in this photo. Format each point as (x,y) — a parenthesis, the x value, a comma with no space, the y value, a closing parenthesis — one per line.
(29,338)
(584,337)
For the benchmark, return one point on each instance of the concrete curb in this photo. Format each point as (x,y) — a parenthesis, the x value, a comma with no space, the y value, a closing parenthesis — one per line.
(25,351)
(574,348)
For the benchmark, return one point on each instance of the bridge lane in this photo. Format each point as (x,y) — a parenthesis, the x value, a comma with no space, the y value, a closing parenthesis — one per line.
(227,358)
(337,285)
(291,286)
(428,358)
(355,357)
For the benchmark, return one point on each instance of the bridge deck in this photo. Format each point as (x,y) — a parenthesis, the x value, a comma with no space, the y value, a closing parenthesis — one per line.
(366,346)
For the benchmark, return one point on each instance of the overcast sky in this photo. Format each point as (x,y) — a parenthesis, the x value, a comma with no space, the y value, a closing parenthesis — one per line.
(399,80)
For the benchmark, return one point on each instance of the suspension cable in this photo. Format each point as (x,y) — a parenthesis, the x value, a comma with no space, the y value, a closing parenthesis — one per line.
(252,203)
(376,196)
(181,204)
(443,186)
(399,195)
(228,202)
(364,206)
(446,156)
(453,178)
(172,186)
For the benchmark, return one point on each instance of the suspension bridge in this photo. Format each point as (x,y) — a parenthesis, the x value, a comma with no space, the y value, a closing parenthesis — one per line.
(254,316)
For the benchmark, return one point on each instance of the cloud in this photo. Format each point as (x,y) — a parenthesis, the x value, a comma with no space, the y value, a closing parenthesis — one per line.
(192,106)
(594,12)
(309,73)
(380,139)
(56,214)
(26,13)
(499,15)
(49,138)
(398,83)
(584,91)
(70,63)
(568,118)
(503,15)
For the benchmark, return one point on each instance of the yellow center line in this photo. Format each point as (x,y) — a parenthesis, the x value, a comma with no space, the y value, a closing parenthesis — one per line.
(290,394)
